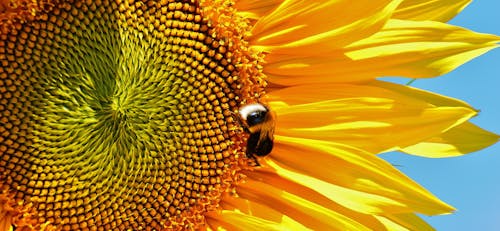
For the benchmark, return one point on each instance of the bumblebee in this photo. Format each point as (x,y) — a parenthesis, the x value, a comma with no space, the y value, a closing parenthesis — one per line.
(259,122)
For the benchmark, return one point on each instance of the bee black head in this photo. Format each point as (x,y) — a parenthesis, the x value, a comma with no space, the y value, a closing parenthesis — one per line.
(256,117)
(254,113)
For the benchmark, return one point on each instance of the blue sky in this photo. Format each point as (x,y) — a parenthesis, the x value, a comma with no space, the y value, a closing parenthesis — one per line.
(470,183)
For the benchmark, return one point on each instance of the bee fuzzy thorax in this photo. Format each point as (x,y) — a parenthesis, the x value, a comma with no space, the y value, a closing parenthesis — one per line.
(259,121)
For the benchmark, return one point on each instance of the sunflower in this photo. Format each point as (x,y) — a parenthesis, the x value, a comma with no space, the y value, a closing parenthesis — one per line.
(124,115)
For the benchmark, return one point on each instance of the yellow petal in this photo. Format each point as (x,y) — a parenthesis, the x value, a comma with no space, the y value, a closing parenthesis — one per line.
(422,95)
(268,215)
(256,9)
(349,198)
(416,49)
(236,220)
(301,23)
(310,193)
(391,225)
(284,214)
(462,139)
(370,117)
(349,168)
(310,214)
(401,48)
(434,10)
(405,221)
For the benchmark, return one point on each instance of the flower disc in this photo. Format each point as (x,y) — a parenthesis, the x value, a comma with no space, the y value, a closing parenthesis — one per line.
(119,115)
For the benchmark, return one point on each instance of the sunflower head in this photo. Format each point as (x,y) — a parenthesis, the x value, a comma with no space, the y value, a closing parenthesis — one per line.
(121,114)
(156,115)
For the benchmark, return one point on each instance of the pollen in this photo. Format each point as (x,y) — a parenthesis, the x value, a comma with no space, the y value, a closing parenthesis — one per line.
(119,115)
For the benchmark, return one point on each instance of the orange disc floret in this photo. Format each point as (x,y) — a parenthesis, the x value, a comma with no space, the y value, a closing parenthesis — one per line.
(18,213)
(14,13)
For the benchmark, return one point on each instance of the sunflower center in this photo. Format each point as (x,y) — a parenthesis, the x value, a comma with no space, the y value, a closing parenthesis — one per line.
(119,115)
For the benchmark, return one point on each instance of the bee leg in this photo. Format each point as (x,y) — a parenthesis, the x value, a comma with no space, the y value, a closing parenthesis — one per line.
(252,157)
(255,161)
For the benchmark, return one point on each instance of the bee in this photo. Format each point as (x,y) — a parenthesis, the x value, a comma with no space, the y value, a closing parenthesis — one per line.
(259,122)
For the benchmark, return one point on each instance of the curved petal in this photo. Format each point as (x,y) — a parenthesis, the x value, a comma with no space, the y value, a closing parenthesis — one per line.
(401,48)
(370,117)
(355,179)
(357,200)
(256,9)
(404,221)
(263,186)
(434,10)
(311,193)
(301,25)
(308,213)
(418,49)
(462,139)
(269,217)
(422,95)
(236,220)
